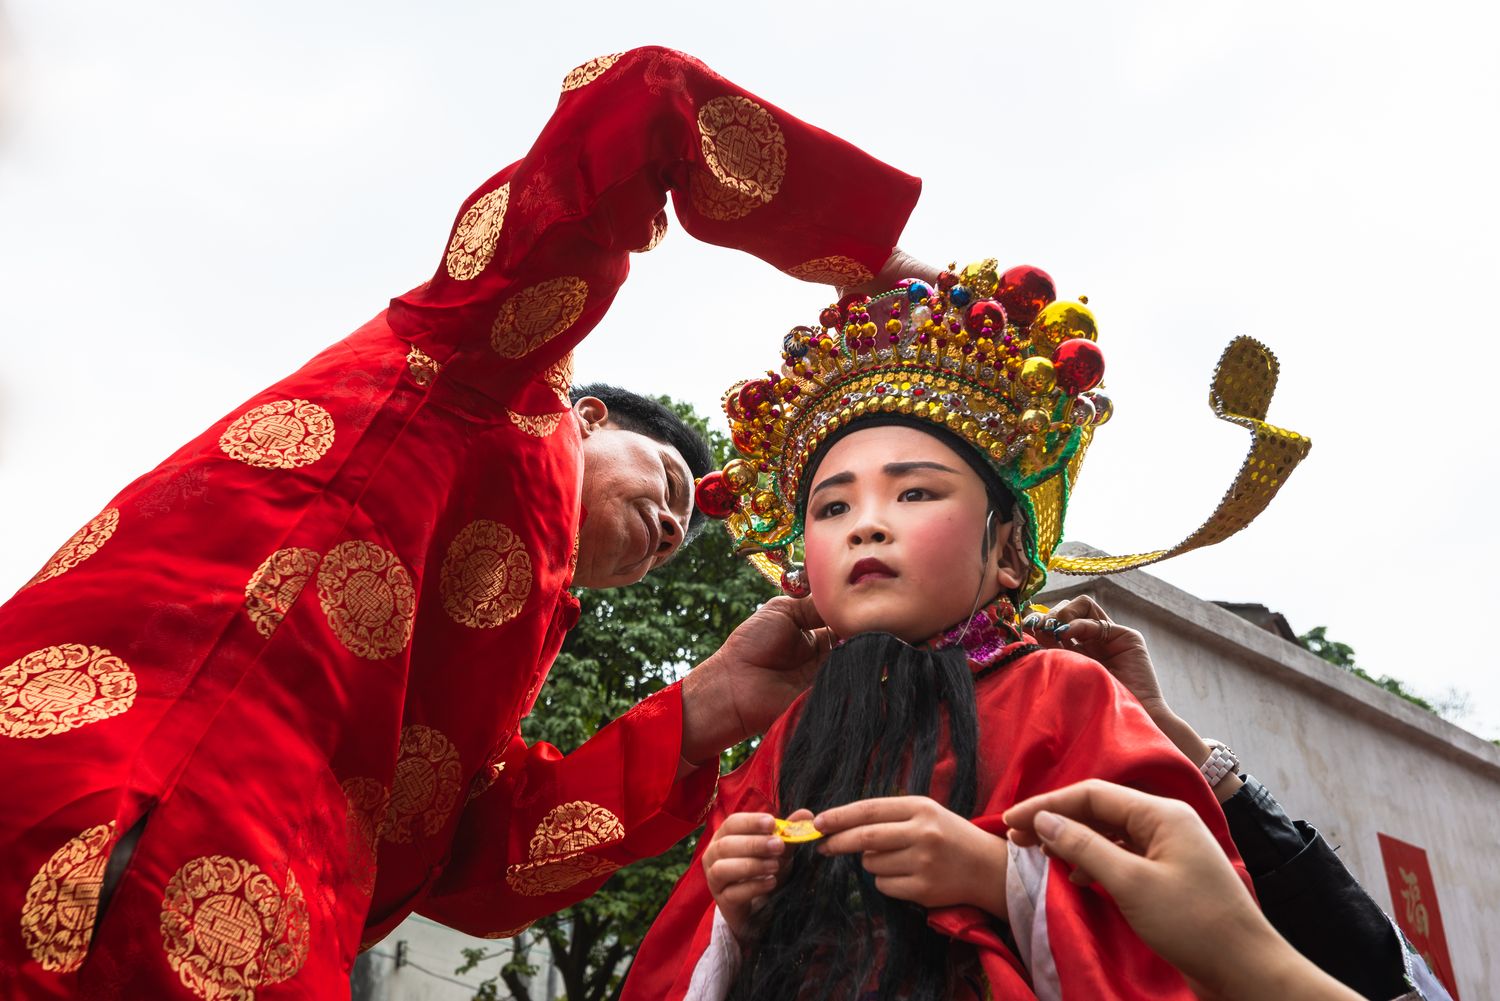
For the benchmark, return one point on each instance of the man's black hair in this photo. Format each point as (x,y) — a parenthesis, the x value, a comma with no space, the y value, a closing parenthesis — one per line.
(633,412)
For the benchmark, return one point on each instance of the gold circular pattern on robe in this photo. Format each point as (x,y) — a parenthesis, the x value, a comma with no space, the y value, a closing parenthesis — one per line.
(62,902)
(574,827)
(535,315)
(715,201)
(743,147)
(61,688)
(367,802)
(512,933)
(559,378)
(478,230)
(558,852)
(658,234)
(486,575)
(423,368)
(368,598)
(538,426)
(536,879)
(425,788)
(285,434)
(84,543)
(228,929)
(487,775)
(274,586)
(582,76)
(836,270)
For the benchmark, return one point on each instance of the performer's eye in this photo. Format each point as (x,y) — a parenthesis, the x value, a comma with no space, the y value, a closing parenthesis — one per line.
(917,494)
(831,510)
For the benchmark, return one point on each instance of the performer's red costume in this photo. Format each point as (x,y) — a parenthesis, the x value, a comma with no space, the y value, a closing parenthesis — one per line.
(298,651)
(1046,719)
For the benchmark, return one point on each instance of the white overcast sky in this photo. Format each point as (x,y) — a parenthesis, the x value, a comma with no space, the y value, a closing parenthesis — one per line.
(196,196)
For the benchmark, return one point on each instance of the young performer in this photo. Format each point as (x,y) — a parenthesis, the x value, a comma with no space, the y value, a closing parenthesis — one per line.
(920,449)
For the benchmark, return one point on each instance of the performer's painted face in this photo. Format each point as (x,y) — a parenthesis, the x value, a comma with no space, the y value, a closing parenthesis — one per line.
(638,493)
(894,535)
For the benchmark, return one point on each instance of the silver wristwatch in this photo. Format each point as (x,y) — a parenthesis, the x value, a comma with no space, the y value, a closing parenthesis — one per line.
(1221,761)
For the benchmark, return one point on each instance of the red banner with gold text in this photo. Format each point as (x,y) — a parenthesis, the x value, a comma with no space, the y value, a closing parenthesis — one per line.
(1415,903)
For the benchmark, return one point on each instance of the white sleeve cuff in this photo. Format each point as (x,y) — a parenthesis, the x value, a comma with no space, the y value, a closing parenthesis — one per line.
(717,967)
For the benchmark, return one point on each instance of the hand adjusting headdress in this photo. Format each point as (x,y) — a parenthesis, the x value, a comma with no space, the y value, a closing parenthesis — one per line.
(994,359)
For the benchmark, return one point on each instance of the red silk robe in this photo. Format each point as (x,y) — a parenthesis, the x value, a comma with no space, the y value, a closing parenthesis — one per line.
(1051,718)
(298,652)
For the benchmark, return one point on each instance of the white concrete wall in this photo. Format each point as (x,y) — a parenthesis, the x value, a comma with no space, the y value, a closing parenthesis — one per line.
(1337,751)
(433,952)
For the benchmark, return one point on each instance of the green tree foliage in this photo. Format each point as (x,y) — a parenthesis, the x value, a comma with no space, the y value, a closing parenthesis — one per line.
(629,642)
(1316,641)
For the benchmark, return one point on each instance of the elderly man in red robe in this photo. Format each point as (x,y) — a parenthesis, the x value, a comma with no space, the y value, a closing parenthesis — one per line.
(267,703)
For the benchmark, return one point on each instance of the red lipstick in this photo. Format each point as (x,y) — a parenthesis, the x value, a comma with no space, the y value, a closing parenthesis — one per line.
(869,567)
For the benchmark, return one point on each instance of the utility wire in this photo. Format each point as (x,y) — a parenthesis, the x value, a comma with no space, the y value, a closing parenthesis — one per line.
(423,969)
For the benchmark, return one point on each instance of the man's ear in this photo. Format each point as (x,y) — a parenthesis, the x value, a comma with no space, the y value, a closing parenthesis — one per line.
(591,413)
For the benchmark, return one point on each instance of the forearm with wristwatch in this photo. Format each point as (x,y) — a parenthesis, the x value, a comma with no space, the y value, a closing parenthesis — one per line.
(1305,891)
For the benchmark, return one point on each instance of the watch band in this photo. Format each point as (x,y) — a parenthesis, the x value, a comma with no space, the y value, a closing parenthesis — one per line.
(1221,761)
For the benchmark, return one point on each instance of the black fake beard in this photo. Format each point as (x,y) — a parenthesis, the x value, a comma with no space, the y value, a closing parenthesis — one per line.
(870,727)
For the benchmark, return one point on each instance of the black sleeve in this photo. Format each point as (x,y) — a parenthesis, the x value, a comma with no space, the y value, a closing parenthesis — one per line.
(1312,899)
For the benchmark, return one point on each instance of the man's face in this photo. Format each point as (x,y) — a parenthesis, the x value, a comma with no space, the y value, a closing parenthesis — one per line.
(638,493)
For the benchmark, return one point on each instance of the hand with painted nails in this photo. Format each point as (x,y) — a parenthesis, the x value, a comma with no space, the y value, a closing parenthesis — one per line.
(1082,624)
(919,850)
(1172,883)
(744,863)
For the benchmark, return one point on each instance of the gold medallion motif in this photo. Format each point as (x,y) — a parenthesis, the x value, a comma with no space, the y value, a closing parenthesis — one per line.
(743,147)
(285,434)
(538,426)
(535,315)
(559,851)
(423,368)
(559,378)
(62,902)
(61,688)
(425,788)
(486,575)
(275,585)
(478,230)
(228,929)
(84,543)
(487,775)
(716,201)
(582,76)
(368,598)
(367,802)
(836,270)
(512,933)
(658,234)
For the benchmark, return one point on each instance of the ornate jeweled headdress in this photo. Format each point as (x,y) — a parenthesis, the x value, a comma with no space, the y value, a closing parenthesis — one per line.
(992,358)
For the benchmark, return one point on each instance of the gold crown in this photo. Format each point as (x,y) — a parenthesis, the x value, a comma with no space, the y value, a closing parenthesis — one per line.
(994,359)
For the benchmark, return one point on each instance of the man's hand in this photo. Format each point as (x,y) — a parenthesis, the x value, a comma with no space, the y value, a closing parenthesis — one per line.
(898,266)
(1173,885)
(743,863)
(762,667)
(919,850)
